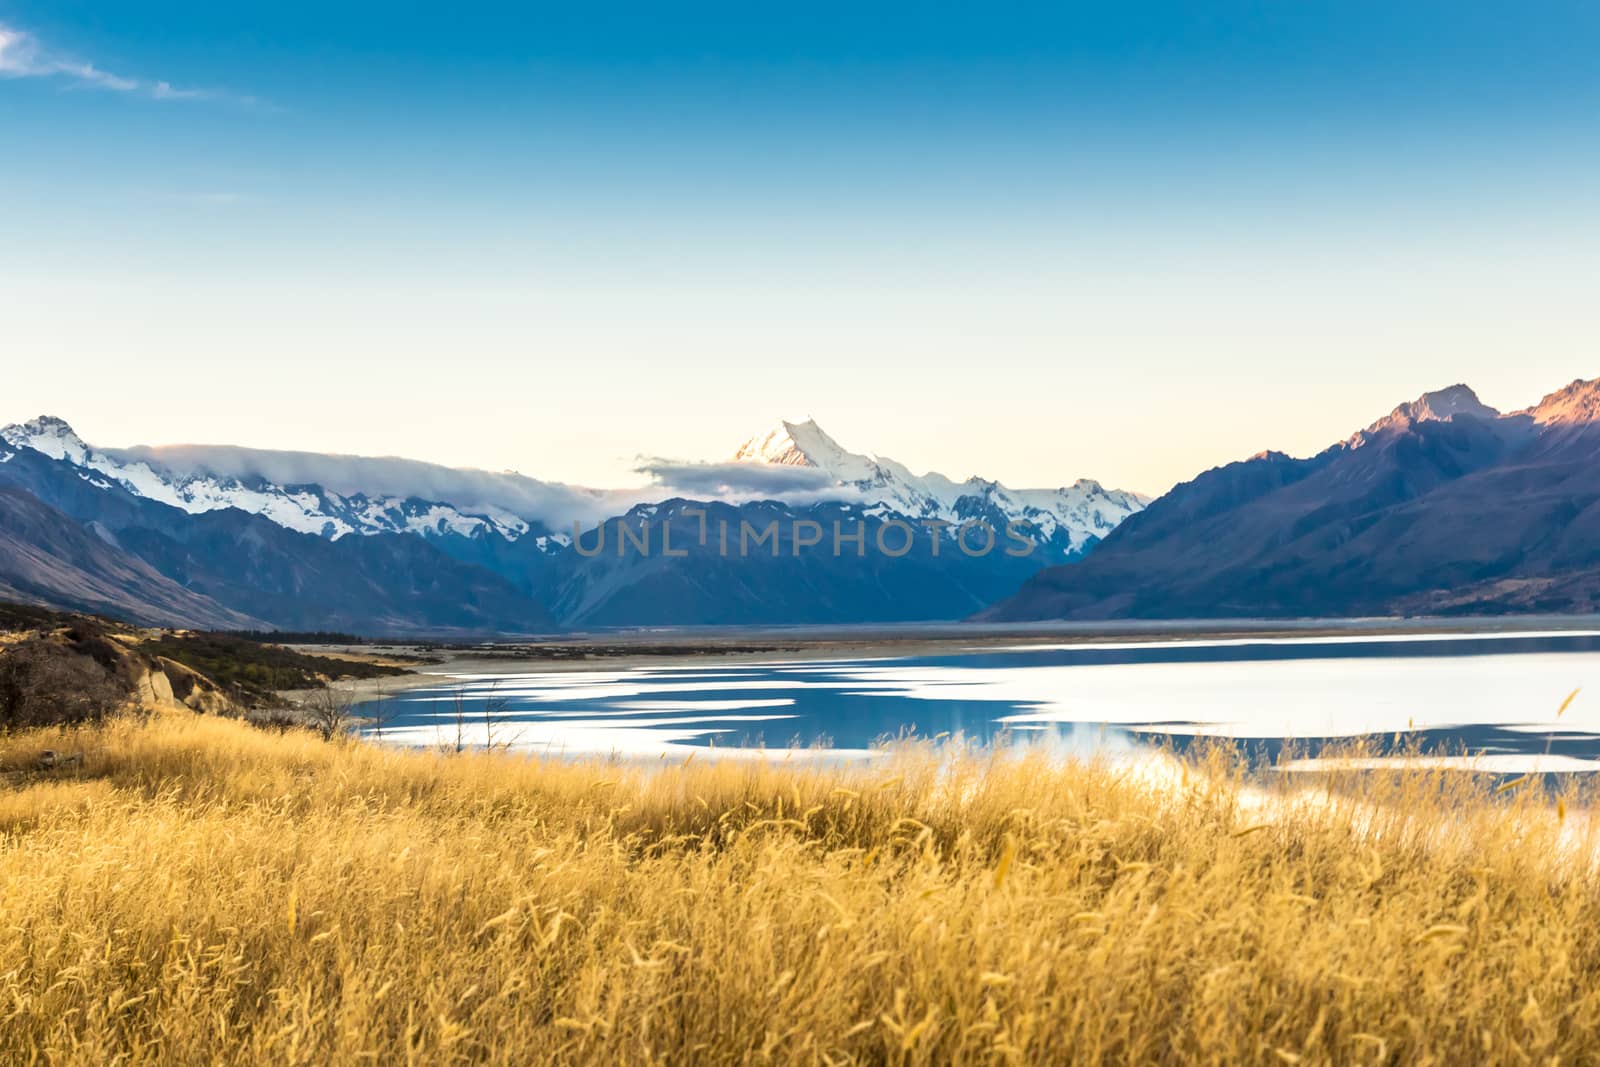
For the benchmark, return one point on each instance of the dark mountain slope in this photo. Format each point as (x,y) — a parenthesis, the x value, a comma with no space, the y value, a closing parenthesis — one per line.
(1442,506)
(385,583)
(713,584)
(49,558)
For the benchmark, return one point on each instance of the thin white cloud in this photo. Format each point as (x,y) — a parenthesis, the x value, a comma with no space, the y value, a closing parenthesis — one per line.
(23,56)
(165,91)
(720,478)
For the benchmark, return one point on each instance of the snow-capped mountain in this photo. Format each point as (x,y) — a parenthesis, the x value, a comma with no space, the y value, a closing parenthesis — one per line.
(336,496)
(383,545)
(306,506)
(1070,518)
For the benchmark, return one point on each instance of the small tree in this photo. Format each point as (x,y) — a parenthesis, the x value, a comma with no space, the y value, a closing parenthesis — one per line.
(494,709)
(378,712)
(330,711)
(461,719)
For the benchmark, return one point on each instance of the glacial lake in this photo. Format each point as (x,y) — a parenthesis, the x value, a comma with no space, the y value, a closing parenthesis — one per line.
(1492,698)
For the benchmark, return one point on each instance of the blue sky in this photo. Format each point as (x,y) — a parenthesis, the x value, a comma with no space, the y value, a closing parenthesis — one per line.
(1125,241)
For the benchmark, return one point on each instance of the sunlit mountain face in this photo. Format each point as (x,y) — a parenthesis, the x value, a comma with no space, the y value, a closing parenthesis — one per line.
(1444,506)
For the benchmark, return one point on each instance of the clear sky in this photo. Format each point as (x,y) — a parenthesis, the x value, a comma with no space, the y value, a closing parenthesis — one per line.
(1126,241)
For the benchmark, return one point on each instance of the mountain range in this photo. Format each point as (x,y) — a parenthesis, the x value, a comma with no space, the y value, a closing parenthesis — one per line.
(1444,506)
(228,537)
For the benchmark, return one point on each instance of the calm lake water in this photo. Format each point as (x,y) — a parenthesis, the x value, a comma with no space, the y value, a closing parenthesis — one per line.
(1494,696)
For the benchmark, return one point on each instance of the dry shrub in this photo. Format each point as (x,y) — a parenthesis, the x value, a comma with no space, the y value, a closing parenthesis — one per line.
(76,677)
(330,711)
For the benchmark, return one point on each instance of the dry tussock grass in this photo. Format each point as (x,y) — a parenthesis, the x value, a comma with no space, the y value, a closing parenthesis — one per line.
(201,892)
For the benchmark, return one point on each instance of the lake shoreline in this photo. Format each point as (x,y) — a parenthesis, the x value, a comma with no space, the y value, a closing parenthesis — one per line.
(433,664)
(1263,685)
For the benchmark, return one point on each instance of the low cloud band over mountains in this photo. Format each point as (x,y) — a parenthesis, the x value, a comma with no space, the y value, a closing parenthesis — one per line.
(308,541)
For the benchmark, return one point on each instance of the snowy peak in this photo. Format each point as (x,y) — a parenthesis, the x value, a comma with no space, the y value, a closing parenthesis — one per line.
(49,435)
(1574,404)
(804,444)
(777,446)
(1069,518)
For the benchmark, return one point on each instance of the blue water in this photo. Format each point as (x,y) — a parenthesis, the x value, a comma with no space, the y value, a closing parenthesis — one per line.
(1496,697)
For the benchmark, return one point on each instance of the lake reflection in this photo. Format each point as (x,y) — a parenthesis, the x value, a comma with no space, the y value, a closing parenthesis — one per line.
(1495,696)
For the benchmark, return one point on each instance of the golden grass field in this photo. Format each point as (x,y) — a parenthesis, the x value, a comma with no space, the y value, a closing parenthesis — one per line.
(200,892)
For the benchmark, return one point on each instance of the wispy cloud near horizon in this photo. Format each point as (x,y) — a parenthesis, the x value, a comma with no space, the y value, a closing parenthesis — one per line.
(22,55)
(736,482)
